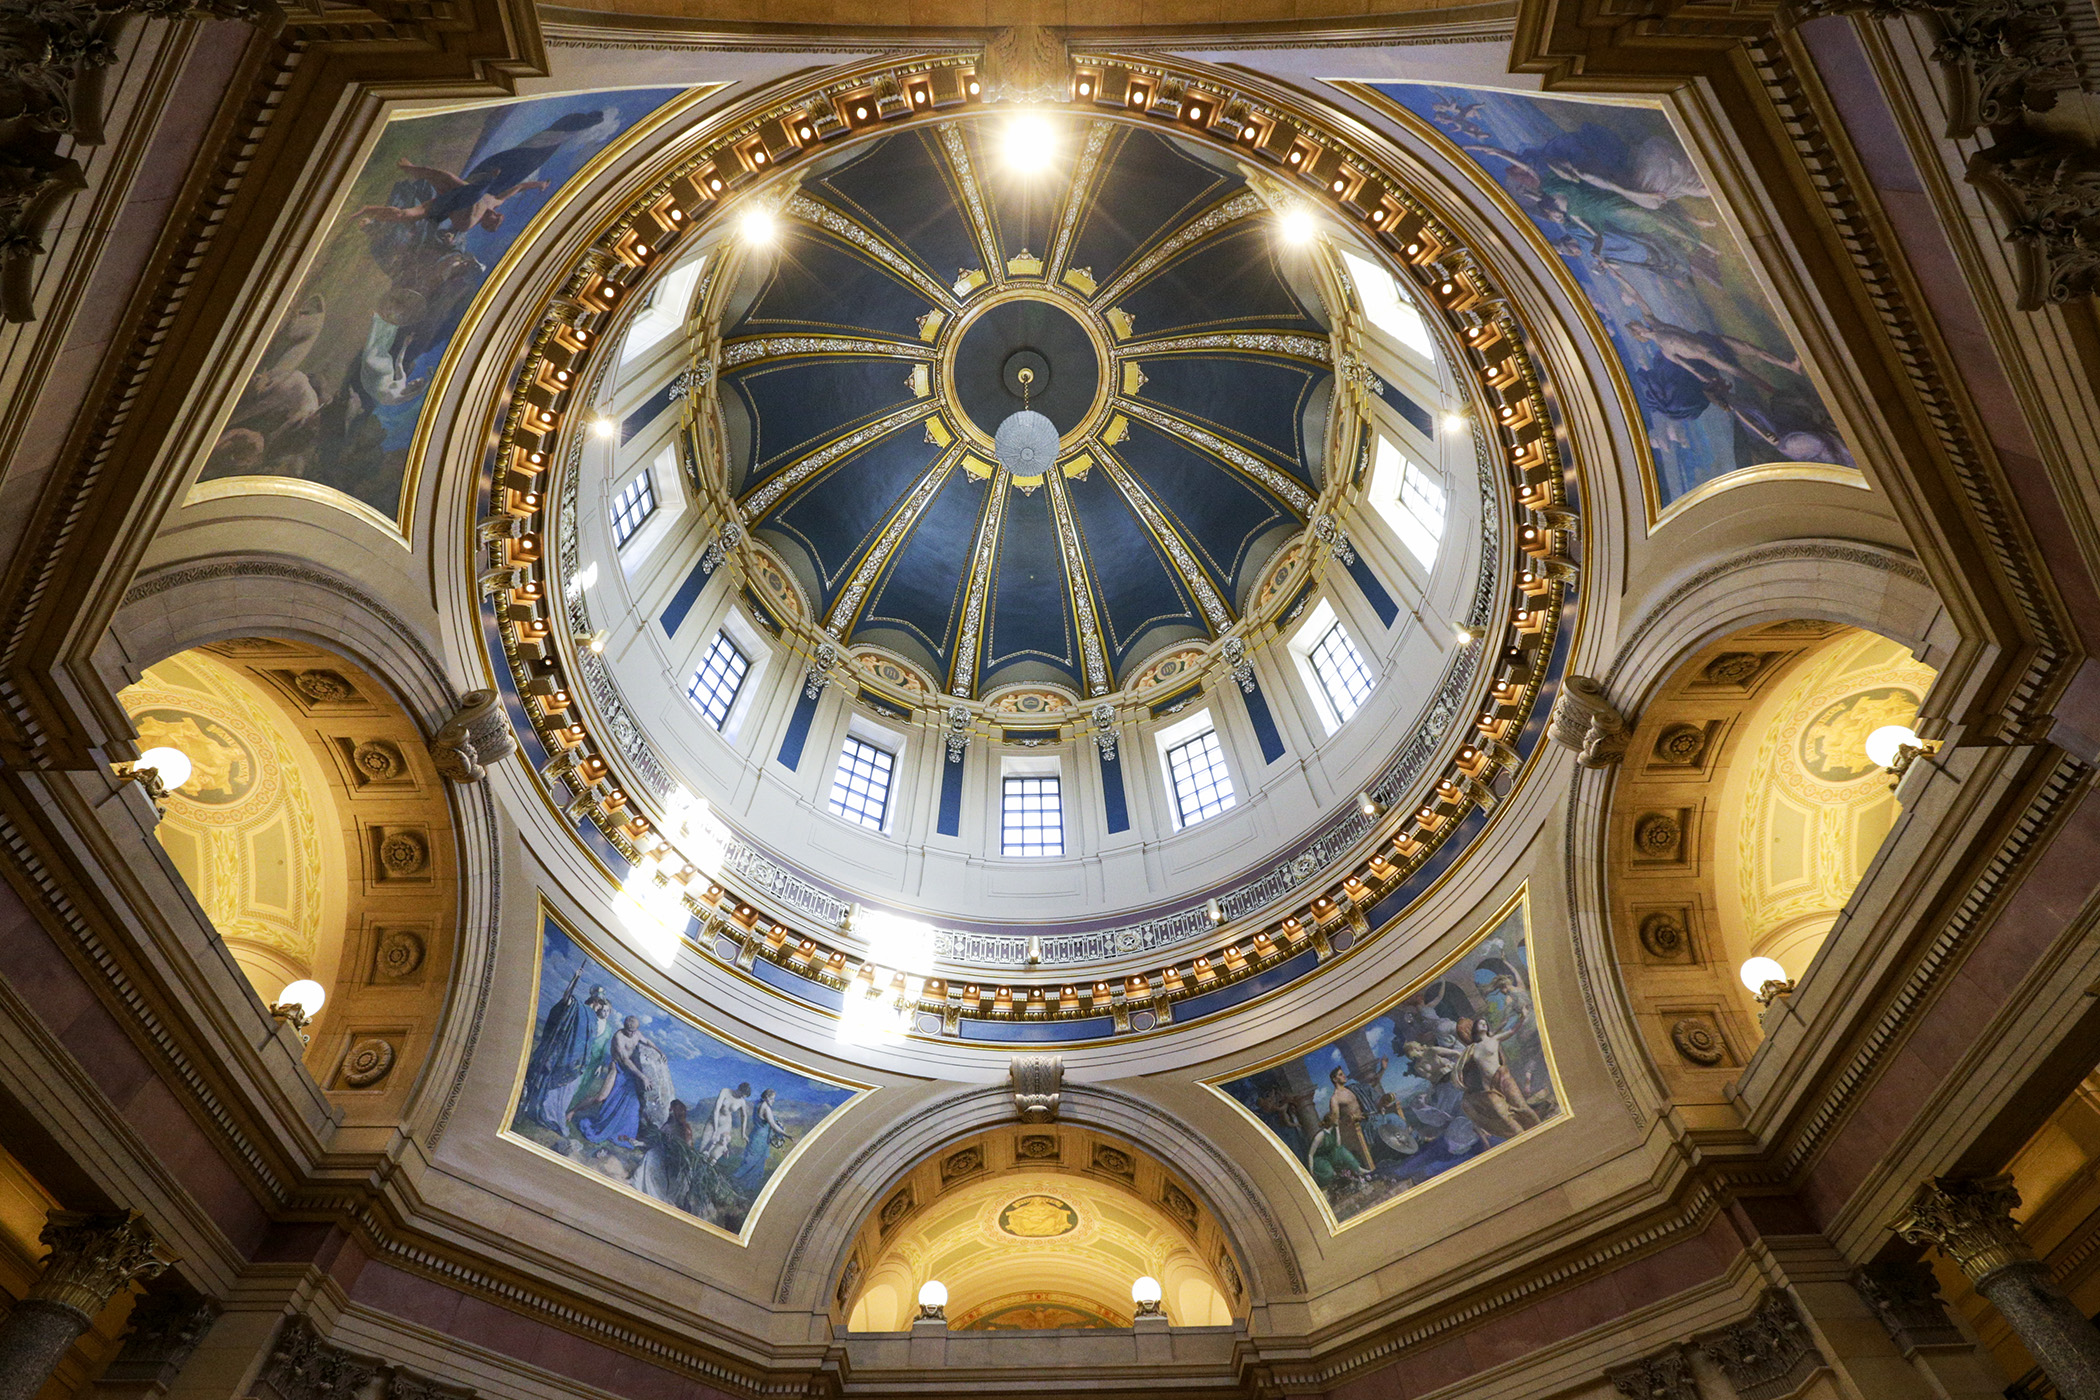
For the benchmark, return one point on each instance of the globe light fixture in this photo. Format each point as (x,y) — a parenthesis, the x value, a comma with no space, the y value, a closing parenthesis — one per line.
(1146,1293)
(171,765)
(1030,142)
(1766,978)
(933,1301)
(299,1003)
(1885,745)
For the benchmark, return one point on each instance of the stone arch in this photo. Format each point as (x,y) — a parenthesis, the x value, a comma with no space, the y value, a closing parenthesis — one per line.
(1846,582)
(1253,1235)
(264,596)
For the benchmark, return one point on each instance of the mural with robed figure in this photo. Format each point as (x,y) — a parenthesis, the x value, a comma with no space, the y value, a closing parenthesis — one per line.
(1611,188)
(433,209)
(1454,1068)
(620,1087)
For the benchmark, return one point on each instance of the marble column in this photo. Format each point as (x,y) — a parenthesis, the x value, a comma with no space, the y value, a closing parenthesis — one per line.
(92,1256)
(1970,1221)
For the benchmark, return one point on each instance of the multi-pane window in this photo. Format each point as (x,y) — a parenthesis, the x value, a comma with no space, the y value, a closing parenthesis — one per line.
(715,685)
(1410,499)
(1202,787)
(860,789)
(1342,672)
(1032,817)
(635,504)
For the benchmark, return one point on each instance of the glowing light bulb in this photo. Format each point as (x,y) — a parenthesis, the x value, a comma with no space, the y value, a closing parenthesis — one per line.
(1146,1290)
(933,1294)
(1758,971)
(756,226)
(306,994)
(1298,226)
(604,427)
(1029,142)
(1454,422)
(1883,746)
(172,764)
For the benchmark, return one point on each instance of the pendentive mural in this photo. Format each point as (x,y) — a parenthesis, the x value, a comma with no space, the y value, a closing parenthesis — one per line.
(434,208)
(1611,188)
(617,1085)
(1453,1068)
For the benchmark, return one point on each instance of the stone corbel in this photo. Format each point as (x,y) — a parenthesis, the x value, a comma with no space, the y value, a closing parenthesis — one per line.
(1665,1376)
(1767,1355)
(1585,720)
(818,672)
(304,1366)
(475,737)
(1026,63)
(1038,1081)
(2010,57)
(1905,1295)
(2047,189)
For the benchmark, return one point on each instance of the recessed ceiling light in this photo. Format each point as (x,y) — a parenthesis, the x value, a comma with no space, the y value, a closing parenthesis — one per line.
(1298,226)
(1029,142)
(756,226)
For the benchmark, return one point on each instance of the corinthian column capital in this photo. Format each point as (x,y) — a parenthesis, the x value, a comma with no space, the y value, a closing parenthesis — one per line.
(1970,1221)
(92,1256)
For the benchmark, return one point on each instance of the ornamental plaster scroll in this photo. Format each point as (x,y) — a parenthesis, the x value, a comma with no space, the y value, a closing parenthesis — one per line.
(205,603)
(1250,1226)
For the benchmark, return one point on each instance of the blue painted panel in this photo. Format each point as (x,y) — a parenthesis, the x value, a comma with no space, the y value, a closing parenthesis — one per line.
(1424,422)
(901,188)
(1137,587)
(1082,1028)
(1031,613)
(1259,401)
(682,601)
(650,410)
(1204,1003)
(836,514)
(814,277)
(1219,512)
(922,588)
(1230,280)
(1113,800)
(798,729)
(1159,187)
(950,823)
(797,987)
(1374,592)
(797,403)
(1264,722)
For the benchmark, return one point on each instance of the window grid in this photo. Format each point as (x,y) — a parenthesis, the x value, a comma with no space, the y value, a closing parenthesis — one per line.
(860,789)
(631,507)
(1032,817)
(1342,672)
(1423,502)
(715,685)
(1202,787)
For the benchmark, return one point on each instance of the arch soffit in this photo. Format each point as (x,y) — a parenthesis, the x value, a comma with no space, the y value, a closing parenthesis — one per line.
(201,602)
(1252,1229)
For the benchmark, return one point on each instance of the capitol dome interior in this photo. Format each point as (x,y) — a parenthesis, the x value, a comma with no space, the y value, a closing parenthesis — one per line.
(1296,701)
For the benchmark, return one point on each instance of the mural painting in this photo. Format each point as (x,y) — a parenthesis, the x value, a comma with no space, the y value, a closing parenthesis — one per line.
(440,200)
(1612,189)
(619,1086)
(1454,1068)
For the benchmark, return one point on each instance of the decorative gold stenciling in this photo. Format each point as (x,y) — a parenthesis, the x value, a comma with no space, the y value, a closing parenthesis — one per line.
(1038,1218)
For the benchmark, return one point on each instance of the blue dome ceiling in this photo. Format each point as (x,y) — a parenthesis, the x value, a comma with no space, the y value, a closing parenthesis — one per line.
(870,355)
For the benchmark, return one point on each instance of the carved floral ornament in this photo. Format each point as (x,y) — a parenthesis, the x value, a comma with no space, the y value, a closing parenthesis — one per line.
(1356,185)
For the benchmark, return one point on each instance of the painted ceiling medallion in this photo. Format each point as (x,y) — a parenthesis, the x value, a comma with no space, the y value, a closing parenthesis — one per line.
(1038,1218)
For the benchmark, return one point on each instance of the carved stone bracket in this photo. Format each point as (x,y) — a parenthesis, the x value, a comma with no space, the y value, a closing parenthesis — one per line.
(1025,63)
(1585,720)
(819,670)
(958,735)
(2015,56)
(1105,731)
(1905,1296)
(304,1366)
(477,736)
(2047,188)
(1242,668)
(1329,532)
(52,57)
(1664,1376)
(1768,1354)
(1037,1082)
(165,1326)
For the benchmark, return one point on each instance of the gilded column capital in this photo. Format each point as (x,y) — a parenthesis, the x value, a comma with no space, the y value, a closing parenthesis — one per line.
(92,1256)
(1970,1221)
